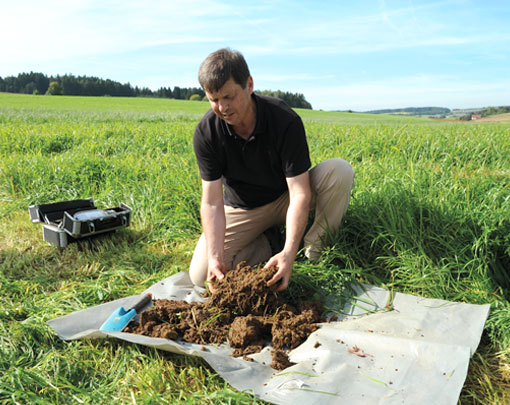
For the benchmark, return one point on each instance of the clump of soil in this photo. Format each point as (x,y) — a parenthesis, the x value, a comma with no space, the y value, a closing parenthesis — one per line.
(241,309)
(280,360)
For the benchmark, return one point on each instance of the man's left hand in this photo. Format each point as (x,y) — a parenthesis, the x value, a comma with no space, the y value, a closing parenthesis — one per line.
(297,215)
(284,262)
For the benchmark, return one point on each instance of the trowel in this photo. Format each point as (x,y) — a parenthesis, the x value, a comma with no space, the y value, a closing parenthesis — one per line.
(119,319)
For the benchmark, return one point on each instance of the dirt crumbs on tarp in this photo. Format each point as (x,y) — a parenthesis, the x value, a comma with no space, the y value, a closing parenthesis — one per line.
(243,309)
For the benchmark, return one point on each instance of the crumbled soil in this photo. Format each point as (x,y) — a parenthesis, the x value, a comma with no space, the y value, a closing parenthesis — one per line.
(280,360)
(241,309)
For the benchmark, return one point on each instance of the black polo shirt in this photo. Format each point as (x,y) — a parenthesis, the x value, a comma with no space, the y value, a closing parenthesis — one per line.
(254,171)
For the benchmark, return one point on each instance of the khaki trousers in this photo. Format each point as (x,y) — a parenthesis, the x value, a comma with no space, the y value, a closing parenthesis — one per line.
(331,182)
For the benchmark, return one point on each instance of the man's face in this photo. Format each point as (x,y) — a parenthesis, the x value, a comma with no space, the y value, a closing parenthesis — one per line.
(232,103)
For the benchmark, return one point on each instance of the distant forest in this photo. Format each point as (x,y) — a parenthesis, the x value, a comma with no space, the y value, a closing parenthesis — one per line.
(485,112)
(69,85)
(414,111)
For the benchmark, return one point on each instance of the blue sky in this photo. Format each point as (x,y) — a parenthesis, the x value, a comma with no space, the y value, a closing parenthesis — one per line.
(358,55)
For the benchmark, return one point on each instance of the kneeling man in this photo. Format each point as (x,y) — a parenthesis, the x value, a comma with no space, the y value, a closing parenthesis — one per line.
(254,164)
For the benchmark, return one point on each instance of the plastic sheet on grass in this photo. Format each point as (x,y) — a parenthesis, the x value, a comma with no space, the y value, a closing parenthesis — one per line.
(384,349)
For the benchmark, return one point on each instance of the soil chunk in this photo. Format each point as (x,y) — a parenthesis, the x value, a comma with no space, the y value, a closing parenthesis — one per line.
(245,291)
(280,360)
(241,309)
(292,326)
(249,330)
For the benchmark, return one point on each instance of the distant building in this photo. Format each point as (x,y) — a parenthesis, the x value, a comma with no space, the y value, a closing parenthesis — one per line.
(475,116)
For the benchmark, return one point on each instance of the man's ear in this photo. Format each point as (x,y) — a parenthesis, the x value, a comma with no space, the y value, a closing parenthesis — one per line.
(249,84)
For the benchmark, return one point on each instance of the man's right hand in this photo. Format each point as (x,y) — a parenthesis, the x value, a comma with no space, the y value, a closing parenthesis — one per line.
(215,271)
(212,212)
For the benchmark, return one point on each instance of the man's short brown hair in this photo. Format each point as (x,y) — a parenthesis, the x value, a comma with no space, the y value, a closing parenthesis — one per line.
(221,66)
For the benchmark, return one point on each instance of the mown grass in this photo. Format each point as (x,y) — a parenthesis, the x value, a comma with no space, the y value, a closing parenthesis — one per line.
(429,215)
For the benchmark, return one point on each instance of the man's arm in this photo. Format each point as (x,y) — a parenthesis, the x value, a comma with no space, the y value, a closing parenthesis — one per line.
(213,223)
(297,215)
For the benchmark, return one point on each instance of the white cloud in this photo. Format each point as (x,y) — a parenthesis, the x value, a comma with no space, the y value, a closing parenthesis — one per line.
(56,29)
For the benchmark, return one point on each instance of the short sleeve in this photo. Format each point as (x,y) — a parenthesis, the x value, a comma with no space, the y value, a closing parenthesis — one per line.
(207,158)
(294,151)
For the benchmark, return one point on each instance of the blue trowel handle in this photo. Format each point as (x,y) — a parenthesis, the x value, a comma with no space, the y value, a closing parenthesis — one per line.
(121,317)
(142,303)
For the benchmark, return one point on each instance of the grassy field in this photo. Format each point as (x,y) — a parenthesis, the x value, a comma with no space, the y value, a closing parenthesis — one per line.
(429,215)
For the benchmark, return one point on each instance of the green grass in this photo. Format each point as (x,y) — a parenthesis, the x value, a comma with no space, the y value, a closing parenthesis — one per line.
(429,215)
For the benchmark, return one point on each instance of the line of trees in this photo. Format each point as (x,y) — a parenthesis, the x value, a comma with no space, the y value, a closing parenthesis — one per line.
(486,112)
(295,100)
(70,85)
(414,111)
(495,110)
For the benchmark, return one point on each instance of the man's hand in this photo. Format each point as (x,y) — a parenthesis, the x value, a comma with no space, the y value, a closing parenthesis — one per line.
(297,215)
(215,271)
(284,263)
(213,222)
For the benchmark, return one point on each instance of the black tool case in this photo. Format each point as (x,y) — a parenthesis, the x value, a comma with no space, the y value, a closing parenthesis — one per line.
(68,221)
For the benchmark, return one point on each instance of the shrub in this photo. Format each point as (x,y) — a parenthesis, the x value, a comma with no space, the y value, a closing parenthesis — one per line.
(55,89)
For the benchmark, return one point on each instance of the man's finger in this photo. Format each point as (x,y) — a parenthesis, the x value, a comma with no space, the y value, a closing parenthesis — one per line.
(270,263)
(216,274)
(278,275)
(272,281)
(283,285)
(210,285)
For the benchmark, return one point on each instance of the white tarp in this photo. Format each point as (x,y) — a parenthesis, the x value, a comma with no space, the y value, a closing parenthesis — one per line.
(416,353)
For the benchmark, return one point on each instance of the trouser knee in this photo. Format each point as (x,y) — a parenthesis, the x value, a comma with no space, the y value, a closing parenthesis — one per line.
(342,171)
(330,174)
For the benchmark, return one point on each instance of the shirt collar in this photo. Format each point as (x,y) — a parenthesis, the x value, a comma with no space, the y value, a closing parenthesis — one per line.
(259,123)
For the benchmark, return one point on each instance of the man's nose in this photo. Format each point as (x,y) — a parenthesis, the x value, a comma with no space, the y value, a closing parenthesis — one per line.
(223,105)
